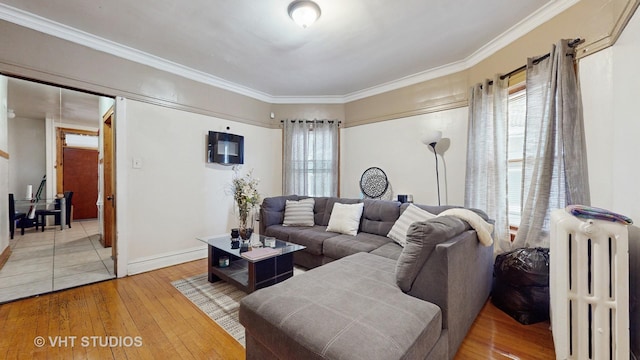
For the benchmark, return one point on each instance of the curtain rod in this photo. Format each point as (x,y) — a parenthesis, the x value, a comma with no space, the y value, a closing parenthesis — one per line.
(573,43)
(313,121)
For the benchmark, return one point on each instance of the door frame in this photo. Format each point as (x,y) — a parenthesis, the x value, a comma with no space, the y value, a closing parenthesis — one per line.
(120,174)
(108,237)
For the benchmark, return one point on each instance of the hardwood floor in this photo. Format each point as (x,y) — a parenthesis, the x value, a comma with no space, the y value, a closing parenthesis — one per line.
(147,318)
(495,335)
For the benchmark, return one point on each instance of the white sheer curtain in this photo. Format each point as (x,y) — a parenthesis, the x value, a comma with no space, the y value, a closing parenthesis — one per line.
(486,176)
(310,157)
(554,172)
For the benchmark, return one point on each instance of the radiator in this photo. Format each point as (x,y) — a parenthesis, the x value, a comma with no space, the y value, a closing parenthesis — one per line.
(589,288)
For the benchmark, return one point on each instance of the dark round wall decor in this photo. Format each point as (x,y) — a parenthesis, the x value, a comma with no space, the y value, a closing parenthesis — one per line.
(373,182)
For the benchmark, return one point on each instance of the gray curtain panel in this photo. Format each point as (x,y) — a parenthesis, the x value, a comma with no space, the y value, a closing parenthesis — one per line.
(486,175)
(554,172)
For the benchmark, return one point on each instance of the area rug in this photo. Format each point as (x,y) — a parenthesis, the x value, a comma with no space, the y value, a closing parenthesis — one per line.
(219,300)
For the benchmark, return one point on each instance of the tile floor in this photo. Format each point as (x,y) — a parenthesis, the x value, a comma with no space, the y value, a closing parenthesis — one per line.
(55,259)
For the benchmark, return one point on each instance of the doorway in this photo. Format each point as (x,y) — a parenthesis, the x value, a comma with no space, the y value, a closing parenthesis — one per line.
(77,170)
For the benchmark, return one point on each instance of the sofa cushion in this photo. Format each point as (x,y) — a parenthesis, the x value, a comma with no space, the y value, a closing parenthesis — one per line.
(319,209)
(281,232)
(412,214)
(299,212)
(329,207)
(345,218)
(313,238)
(422,238)
(379,216)
(350,308)
(390,250)
(343,245)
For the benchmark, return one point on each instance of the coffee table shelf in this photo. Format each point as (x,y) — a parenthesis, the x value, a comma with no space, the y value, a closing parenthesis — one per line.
(249,275)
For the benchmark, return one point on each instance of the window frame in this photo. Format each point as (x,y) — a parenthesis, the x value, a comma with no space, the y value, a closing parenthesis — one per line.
(517,85)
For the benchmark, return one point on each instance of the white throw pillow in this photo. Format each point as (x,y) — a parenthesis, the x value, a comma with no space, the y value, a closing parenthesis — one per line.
(299,213)
(411,214)
(345,218)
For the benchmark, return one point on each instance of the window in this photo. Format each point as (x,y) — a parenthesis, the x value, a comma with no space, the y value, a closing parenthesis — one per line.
(311,158)
(317,168)
(81,141)
(517,109)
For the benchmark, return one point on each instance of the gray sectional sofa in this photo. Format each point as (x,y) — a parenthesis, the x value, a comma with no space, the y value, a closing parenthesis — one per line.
(367,297)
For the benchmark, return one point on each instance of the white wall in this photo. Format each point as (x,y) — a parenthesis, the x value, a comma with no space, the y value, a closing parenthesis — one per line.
(626,147)
(27,150)
(596,82)
(395,147)
(610,88)
(176,196)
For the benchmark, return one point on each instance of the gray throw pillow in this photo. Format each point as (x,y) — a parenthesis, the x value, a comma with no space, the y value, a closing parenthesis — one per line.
(398,232)
(299,213)
(422,238)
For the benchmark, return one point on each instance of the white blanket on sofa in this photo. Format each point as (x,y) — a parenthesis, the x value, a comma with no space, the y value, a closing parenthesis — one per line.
(483,228)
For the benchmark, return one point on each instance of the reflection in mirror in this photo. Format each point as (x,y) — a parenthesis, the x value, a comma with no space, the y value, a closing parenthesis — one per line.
(40,114)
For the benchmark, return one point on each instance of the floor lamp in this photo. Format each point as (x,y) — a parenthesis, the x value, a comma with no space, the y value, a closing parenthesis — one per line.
(432,139)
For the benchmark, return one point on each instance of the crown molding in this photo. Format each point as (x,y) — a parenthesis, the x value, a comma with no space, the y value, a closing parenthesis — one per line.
(407,81)
(520,29)
(329,99)
(38,23)
(44,25)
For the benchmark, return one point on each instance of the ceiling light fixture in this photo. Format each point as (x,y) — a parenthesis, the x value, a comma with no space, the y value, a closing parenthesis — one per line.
(304,12)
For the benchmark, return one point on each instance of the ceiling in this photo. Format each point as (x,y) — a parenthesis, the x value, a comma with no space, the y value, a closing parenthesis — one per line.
(39,101)
(253,47)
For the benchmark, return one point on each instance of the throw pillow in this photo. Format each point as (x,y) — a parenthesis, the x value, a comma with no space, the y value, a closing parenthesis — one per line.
(299,213)
(411,214)
(345,218)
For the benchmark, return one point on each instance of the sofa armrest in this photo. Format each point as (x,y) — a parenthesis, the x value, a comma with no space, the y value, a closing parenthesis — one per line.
(457,277)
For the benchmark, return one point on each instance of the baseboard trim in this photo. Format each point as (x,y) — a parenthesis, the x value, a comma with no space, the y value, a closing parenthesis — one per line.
(149,263)
(4,257)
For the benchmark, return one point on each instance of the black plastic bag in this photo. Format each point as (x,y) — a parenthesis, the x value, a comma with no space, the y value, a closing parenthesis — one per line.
(521,284)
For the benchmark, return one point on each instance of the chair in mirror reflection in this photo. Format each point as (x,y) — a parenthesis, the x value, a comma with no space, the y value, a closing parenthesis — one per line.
(15,217)
(61,212)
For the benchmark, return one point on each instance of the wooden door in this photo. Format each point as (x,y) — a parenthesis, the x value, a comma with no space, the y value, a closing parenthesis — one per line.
(108,196)
(80,174)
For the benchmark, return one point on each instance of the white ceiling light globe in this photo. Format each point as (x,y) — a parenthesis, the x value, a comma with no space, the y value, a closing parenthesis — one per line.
(304,13)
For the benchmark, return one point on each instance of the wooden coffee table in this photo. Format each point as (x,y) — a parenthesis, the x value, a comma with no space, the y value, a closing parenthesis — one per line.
(249,274)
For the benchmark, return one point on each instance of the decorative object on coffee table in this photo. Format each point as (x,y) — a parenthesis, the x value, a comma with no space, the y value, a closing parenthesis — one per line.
(246,197)
(245,232)
(374,183)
